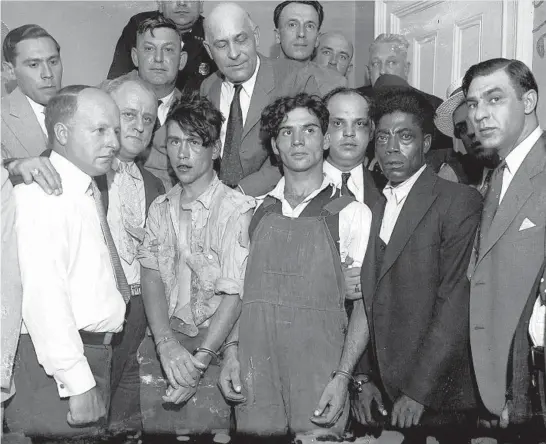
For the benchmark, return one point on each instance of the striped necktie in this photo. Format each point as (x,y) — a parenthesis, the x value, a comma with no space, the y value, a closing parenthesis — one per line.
(121,280)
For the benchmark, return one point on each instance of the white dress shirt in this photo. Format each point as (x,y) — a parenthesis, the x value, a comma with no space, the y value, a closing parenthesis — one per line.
(226,97)
(354,221)
(164,108)
(516,158)
(68,279)
(39,111)
(513,162)
(115,222)
(355,182)
(396,198)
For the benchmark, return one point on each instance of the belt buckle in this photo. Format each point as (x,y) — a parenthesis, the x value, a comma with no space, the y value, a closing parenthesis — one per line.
(107,338)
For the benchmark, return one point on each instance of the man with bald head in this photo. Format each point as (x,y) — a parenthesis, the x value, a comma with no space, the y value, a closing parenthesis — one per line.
(131,190)
(335,52)
(74,292)
(245,83)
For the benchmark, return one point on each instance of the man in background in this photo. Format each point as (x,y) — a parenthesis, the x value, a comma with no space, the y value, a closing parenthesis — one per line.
(246,82)
(335,51)
(297,26)
(131,190)
(189,23)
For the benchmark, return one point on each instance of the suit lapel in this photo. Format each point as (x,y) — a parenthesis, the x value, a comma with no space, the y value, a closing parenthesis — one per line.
(370,266)
(519,191)
(25,124)
(371,193)
(265,83)
(215,91)
(419,200)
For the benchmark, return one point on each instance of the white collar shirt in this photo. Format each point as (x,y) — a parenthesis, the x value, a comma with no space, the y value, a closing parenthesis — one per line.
(354,221)
(355,182)
(67,276)
(163,109)
(227,93)
(39,111)
(396,198)
(516,158)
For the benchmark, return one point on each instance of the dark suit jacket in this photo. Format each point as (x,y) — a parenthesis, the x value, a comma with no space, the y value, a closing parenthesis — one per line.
(275,78)
(416,299)
(502,277)
(371,193)
(519,370)
(22,135)
(198,66)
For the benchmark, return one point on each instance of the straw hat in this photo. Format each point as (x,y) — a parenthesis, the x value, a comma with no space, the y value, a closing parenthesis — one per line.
(444,113)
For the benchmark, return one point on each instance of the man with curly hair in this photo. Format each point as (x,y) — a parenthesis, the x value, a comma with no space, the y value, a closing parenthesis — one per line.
(297,349)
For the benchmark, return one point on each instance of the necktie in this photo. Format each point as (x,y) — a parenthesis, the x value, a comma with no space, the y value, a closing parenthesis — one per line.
(345,191)
(231,171)
(131,213)
(490,190)
(121,280)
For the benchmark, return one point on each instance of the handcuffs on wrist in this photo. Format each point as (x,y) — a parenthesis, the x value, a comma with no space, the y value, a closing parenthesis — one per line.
(355,385)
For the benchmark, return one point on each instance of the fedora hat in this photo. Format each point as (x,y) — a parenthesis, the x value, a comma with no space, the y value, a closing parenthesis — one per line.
(444,113)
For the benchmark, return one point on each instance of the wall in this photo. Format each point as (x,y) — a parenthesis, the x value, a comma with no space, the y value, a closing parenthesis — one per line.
(88,30)
(539,57)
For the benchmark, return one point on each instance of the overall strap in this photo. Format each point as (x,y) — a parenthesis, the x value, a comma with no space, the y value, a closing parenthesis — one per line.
(331,211)
(269,205)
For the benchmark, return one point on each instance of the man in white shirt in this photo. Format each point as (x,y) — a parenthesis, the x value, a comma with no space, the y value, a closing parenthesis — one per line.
(245,83)
(297,349)
(502,95)
(414,282)
(32,58)
(72,307)
(131,190)
(158,56)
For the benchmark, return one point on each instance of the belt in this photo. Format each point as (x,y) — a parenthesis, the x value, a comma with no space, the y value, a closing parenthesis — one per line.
(136,290)
(92,338)
(537,358)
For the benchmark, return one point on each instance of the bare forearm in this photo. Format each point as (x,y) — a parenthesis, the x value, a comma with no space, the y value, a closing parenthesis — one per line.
(222,324)
(155,303)
(357,338)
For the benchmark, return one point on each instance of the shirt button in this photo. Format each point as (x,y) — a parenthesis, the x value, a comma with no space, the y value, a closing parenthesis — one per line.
(61,386)
(209,256)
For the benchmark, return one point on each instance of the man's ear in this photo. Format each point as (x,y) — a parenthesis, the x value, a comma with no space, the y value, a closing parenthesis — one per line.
(427,142)
(326,142)
(372,130)
(216,149)
(207,47)
(349,69)
(256,33)
(530,100)
(9,70)
(274,146)
(183,60)
(134,57)
(201,7)
(61,133)
(407,69)
(277,36)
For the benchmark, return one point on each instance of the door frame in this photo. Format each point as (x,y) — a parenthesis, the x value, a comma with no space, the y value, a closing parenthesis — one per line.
(523,23)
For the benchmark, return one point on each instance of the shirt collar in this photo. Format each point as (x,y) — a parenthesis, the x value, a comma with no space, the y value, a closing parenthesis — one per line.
(36,107)
(278,191)
(130,167)
(74,180)
(518,154)
(204,199)
(248,86)
(401,191)
(335,173)
(167,99)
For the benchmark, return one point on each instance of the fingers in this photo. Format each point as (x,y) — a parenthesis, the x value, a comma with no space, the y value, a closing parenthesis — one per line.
(504,419)
(51,178)
(197,363)
(27,177)
(323,402)
(173,380)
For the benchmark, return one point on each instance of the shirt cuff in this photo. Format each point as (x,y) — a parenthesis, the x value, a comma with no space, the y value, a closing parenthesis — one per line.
(75,381)
(227,286)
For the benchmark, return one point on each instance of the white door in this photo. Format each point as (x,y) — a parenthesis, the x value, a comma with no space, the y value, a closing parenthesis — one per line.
(447,37)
